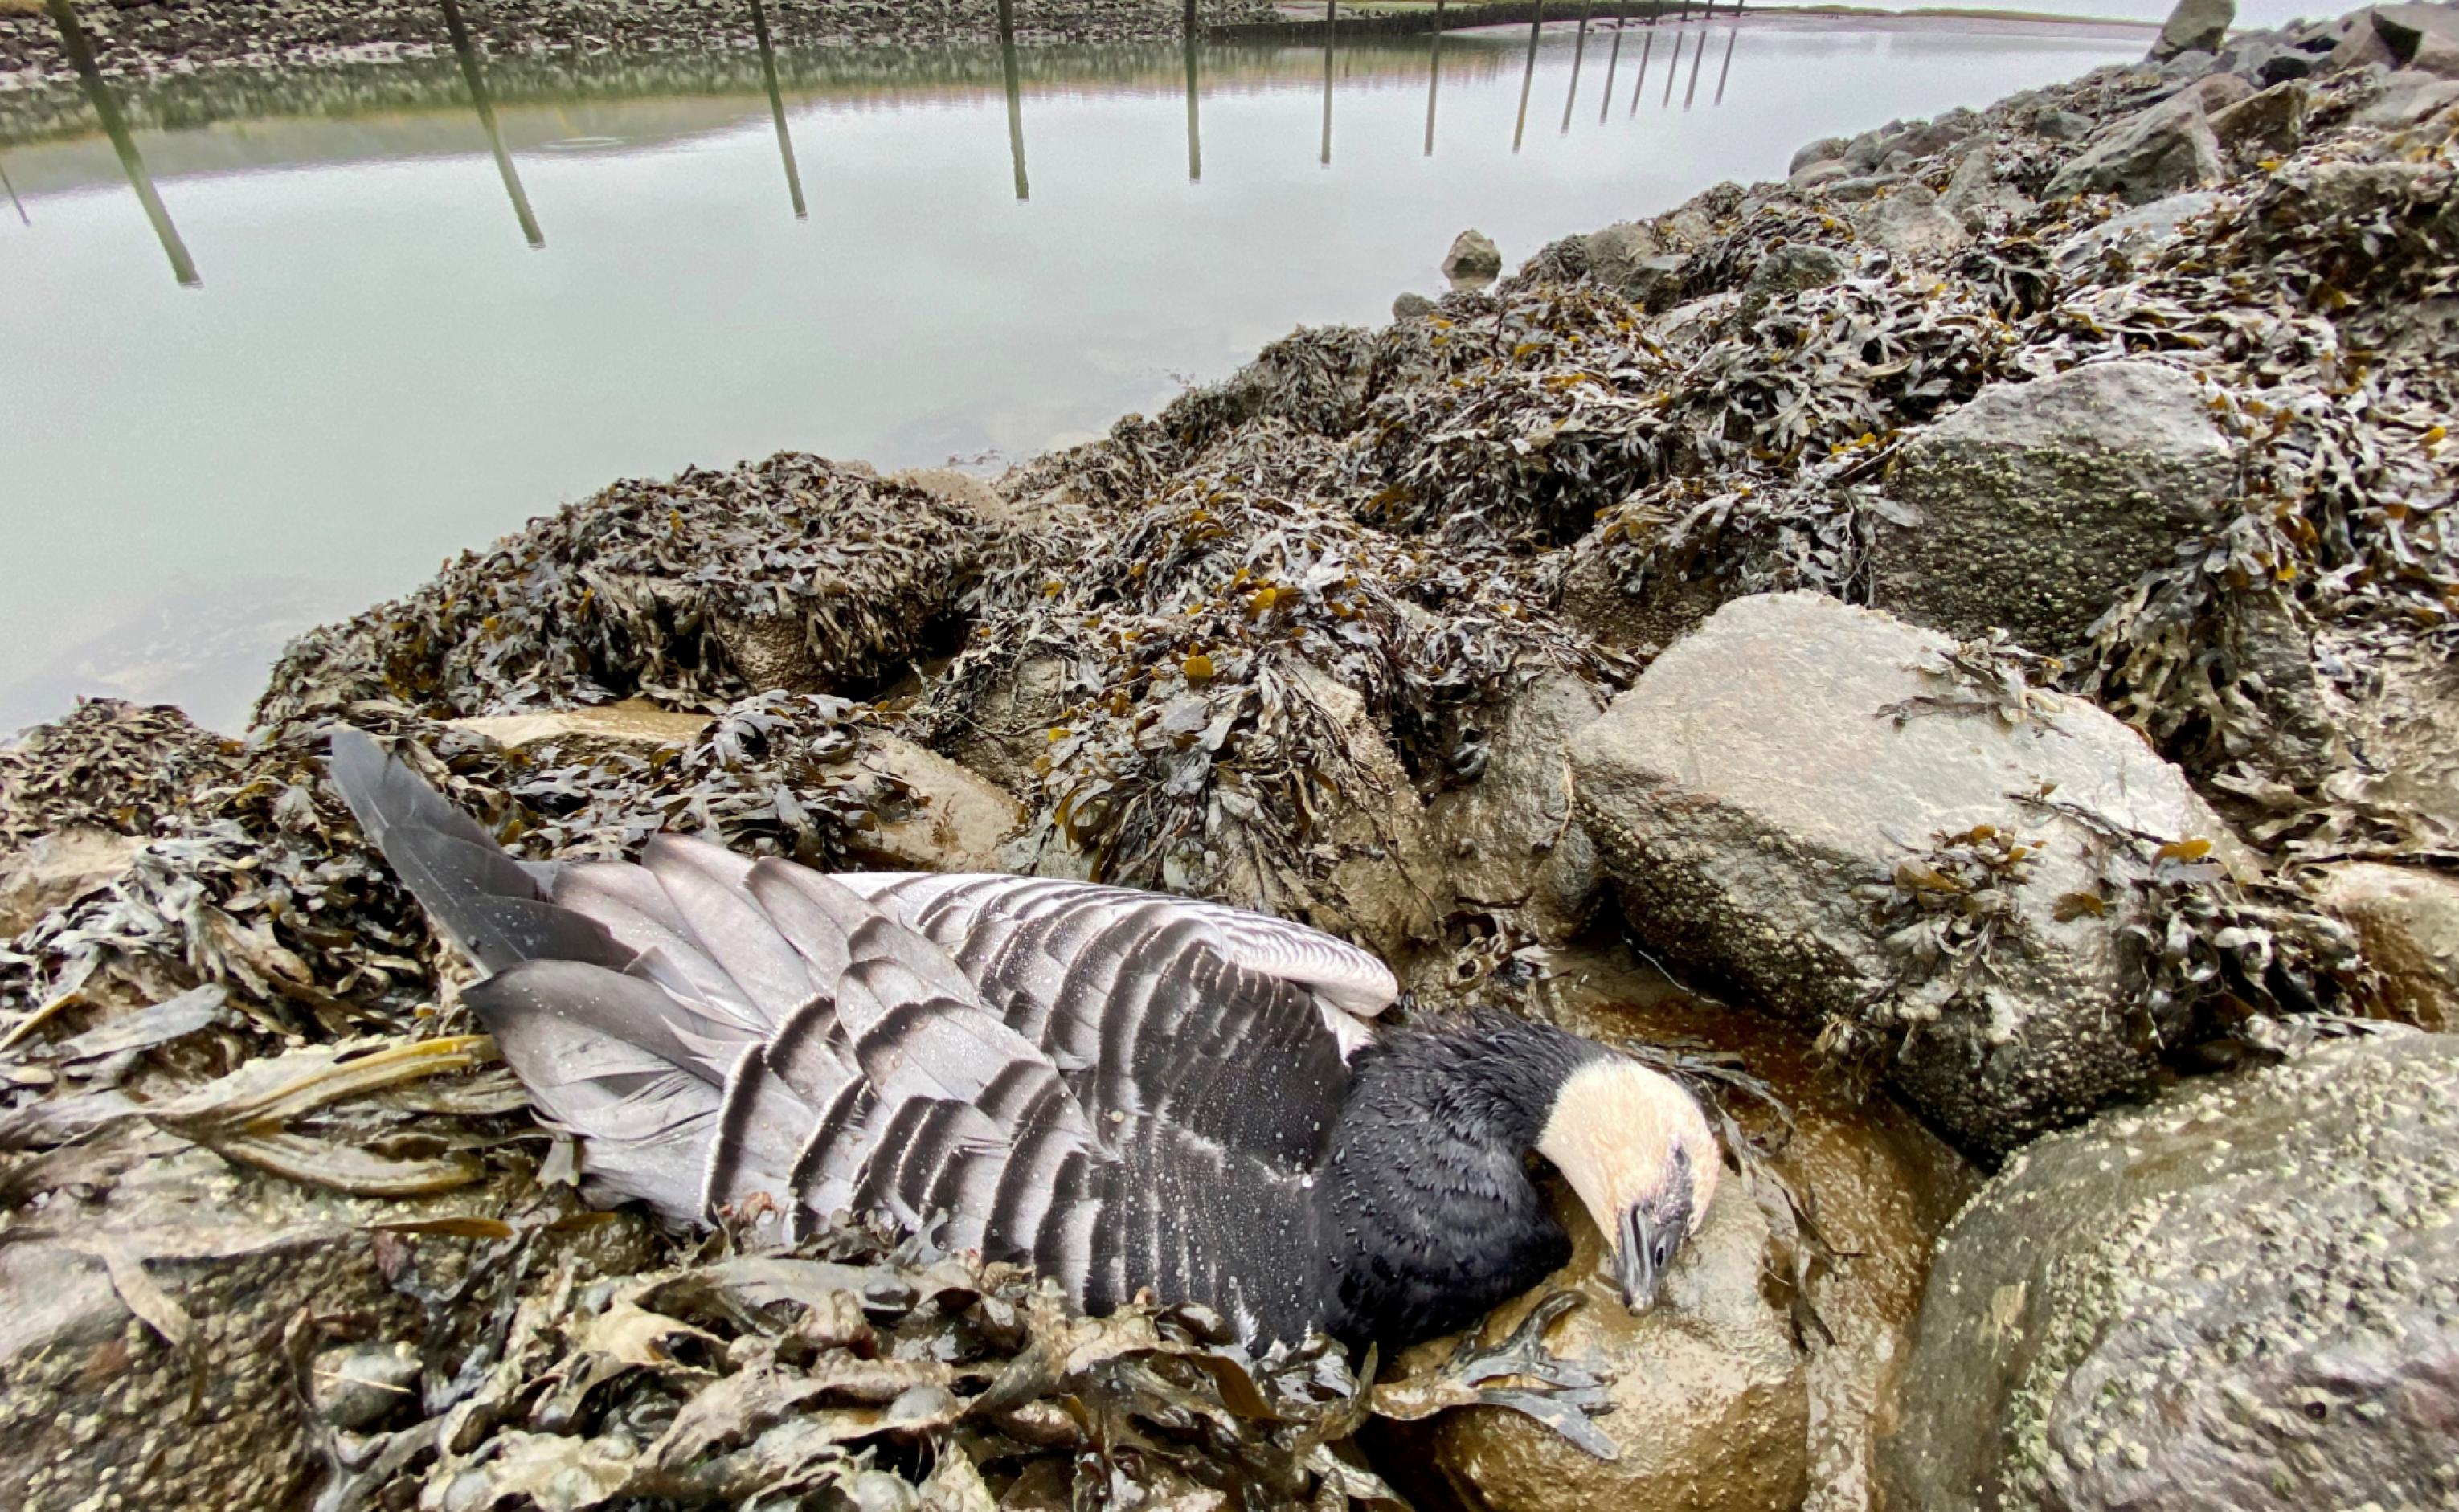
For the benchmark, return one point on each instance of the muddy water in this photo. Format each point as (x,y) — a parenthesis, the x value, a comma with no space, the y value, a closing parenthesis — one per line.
(289,341)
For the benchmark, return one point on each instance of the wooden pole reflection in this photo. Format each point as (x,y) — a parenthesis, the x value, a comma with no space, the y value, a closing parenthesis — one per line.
(1015,98)
(467,52)
(22,218)
(1698,55)
(777,109)
(1434,75)
(97,94)
(1194,98)
(1727,70)
(1331,23)
(1579,54)
(1673,70)
(1613,61)
(1647,46)
(1529,79)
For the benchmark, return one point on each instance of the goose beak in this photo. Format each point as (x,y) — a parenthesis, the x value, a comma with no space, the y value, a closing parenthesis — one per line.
(1636,1263)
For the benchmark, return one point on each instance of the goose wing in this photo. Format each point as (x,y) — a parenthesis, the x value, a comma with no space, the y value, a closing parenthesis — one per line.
(1126,1090)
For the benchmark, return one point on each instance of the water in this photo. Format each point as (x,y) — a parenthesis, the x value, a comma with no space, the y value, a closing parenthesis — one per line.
(358,340)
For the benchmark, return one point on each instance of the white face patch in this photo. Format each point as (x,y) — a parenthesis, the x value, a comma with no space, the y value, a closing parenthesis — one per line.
(1613,1134)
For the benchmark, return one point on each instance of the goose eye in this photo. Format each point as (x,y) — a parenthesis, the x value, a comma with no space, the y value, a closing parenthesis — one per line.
(1664,1253)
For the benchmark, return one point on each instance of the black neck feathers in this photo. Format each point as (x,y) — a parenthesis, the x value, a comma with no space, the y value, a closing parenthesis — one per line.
(1426,1213)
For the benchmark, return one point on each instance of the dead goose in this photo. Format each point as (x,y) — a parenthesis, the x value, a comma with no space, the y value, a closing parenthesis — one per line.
(1126,1090)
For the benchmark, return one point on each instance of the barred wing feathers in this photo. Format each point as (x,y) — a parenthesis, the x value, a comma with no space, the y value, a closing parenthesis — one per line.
(1125,1089)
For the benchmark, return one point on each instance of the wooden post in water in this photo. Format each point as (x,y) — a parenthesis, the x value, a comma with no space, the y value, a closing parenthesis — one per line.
(1015,98)
(1528,79)
(1613,61)
(1434,77)
(777,108)
(1673,70)
(23,219)
(467,52)
(1579,54)
(1698,55)
(97,94)
(1647,46)
(1727,70)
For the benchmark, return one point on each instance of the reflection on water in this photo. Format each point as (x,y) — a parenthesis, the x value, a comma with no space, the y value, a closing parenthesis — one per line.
(777,109)
(19,205)
(467,52)
(1015,98)
(378,376)
(106,109)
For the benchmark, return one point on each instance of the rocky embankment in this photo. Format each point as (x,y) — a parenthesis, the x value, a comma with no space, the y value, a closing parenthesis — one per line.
(146,39)
(1977,611)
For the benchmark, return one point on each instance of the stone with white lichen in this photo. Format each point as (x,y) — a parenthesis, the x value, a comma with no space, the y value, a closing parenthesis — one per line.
(2244,1296)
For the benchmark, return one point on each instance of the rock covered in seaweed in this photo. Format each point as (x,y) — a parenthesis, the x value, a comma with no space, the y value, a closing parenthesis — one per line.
(2002,899)
(2240,1297)
(2036,505)
(793,573)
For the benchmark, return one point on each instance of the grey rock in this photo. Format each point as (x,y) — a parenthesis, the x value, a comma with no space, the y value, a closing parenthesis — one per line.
(1711,1405)
(1633,260)
(1826,149)
(358,1386)
(2042,502)
(2062,125)
(2155,152)
(1789,269)
(2270,123)
(55,870)
(1976,193)
(1474,258)
(1910,222)
(2192,63)
(2406,98)
(1508,839)
(2411,31)
(2363,47)
(2244,1296)
(2407,921)
(2404,736)
(1863,186)
(1832,171)
(1865,151)
(1757,779)
(2133,238)
(2194,25)
(1412,307)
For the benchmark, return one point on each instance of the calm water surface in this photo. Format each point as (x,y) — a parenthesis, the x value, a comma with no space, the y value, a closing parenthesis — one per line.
(395,344)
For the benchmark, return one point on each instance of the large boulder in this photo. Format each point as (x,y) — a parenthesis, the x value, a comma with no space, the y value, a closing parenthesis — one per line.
(2425,37)
(1508,839)
(2245,1297)
(2195,25)
(2039,503)
(1474,260)
(1801,799)
(2160,150)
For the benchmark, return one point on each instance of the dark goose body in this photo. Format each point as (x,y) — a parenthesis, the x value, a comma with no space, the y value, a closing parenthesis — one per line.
(1127,1090)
